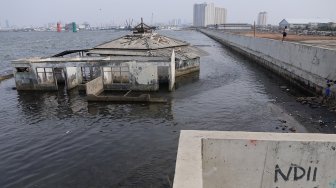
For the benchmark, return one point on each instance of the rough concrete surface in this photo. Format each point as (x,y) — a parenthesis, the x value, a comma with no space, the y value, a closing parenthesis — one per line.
(245,159)
(95,87)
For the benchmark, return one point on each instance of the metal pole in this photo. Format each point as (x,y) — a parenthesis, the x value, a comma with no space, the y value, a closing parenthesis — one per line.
(254,29)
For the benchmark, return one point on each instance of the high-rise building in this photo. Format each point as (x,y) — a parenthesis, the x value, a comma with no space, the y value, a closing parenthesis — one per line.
(220,15)
(199,15)
(210,14)
(262,18)
(207,14)
(7,24)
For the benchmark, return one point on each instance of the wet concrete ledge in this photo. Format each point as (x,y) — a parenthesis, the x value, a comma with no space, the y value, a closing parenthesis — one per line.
(95,87)
(144,98)
(306,66)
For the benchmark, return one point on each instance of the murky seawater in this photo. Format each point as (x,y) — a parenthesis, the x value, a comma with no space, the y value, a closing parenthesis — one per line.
(57,139)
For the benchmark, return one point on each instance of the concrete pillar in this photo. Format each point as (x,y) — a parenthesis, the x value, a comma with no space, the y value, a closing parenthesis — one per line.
(172,72)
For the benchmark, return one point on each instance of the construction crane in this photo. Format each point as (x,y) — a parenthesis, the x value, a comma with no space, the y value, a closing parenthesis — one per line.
(129,24)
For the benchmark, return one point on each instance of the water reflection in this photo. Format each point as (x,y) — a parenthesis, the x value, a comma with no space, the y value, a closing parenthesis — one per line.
(62,104)
(49,104)
(187,79)
(132,111)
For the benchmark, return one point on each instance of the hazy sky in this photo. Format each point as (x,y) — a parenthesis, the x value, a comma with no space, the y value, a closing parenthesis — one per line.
(96,12)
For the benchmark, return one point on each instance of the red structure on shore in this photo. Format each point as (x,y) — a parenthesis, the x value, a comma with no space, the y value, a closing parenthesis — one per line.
(59,27)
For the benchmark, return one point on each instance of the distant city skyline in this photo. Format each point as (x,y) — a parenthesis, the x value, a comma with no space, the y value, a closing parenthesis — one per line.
(205,14)
(262,19)
(41,12)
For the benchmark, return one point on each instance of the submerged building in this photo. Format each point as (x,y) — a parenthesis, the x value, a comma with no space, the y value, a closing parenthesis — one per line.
(142,61)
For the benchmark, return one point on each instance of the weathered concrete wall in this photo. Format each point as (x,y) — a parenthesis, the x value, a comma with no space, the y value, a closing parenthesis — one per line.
(144,73)
(29,81)
(303,64)
(258,163)
(143,76)
(79,76)
(213,159)
(187,67)
(25,80)
(95,87)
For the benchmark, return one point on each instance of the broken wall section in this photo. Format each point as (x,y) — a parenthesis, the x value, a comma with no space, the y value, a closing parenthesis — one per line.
(29,77)
(187,66)
(95,87)
(137,76)
(25,80)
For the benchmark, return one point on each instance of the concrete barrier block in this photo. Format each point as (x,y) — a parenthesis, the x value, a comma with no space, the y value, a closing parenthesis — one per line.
(95,87)
(213,159)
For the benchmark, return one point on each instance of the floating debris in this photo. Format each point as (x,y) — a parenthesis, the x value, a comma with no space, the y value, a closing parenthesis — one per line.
(282,121)
(313,102)
(293,129)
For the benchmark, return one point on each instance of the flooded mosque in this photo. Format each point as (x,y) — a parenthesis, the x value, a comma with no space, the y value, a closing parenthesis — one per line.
(142,61)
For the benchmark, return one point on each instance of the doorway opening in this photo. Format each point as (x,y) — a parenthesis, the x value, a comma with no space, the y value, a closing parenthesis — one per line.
(60,77)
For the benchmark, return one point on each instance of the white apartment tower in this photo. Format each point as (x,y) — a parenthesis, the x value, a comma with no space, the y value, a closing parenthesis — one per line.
(262,18)
(207,14)
(210,14)
(220,15)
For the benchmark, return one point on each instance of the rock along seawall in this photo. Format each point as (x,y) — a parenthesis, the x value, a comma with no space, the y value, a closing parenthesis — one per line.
(308,67)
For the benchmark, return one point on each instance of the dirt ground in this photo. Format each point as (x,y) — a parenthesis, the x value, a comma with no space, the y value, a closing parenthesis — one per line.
(318,41)
(290,37)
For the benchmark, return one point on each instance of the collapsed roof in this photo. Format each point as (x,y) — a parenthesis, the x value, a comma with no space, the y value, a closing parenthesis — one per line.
(147,44)
(142,43)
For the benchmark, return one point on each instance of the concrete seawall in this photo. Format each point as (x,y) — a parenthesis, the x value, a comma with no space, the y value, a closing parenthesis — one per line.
(306,66)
